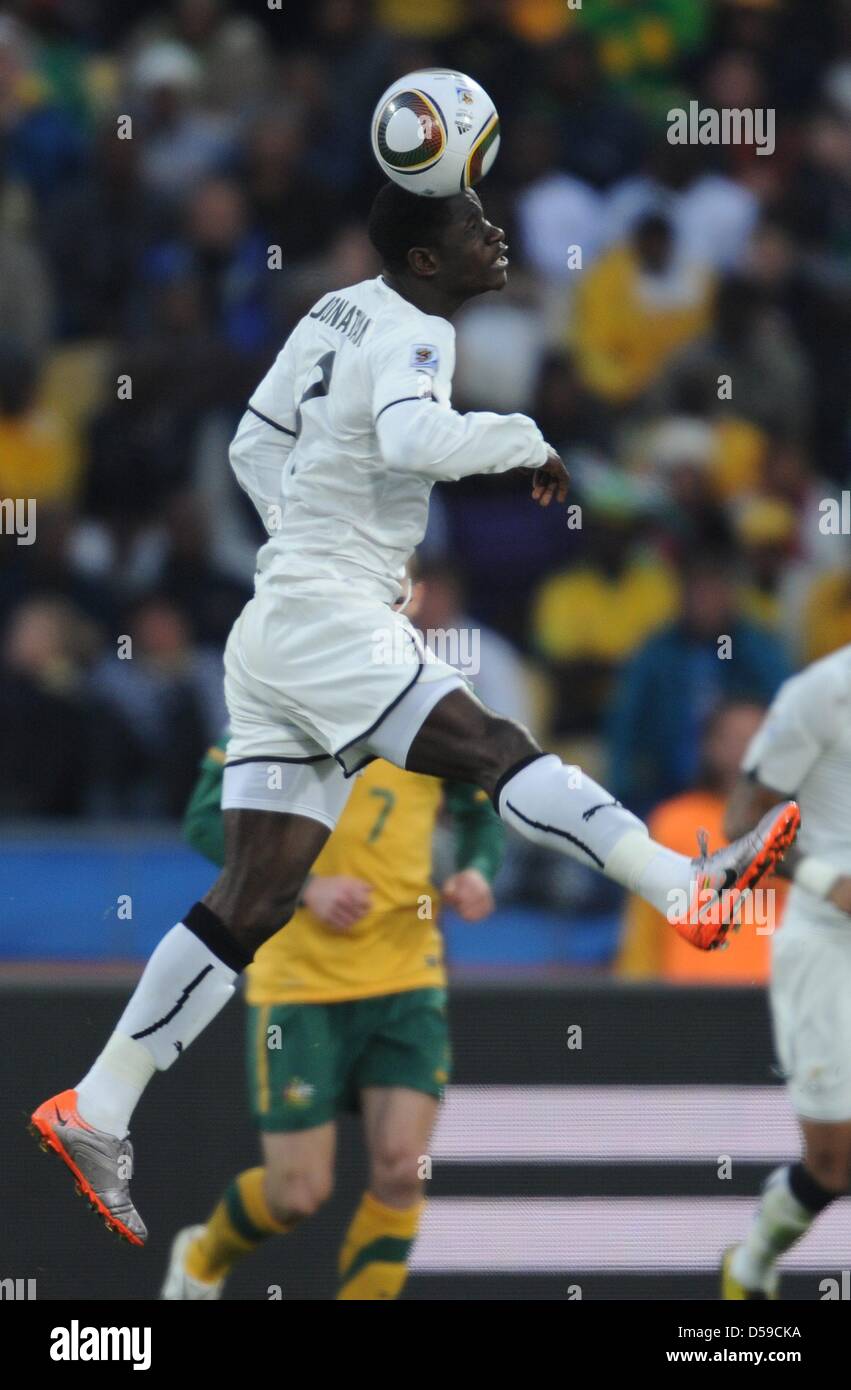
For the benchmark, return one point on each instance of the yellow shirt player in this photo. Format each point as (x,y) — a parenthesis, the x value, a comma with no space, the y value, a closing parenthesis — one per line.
(347,1010)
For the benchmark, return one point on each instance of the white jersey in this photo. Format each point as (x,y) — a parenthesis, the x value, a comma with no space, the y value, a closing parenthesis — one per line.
(803,749)
(346,435)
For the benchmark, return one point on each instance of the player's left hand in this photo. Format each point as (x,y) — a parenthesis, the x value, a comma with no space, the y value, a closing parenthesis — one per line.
(550,480)
(469,893)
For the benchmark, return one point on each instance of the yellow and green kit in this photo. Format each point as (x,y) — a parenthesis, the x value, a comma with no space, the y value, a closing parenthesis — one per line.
(329,1012)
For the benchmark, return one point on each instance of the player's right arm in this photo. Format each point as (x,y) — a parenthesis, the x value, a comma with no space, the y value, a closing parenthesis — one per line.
(418,431)
(798,728)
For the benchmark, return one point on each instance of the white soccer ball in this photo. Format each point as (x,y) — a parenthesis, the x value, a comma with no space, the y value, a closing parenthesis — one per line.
(435,132)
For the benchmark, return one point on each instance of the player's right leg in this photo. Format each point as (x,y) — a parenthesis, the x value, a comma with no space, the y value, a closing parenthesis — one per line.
(564,809)
(188,979)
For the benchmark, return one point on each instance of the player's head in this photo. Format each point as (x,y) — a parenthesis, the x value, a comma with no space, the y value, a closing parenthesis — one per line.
(445,241)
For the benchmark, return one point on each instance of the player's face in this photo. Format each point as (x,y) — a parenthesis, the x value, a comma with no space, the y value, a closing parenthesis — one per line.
(473,251)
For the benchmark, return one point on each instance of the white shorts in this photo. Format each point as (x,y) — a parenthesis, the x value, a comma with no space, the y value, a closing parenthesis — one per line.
(811,1012)
(316,689)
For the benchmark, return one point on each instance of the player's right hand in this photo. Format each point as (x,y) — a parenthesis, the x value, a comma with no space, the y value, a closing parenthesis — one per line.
(337,900)
(550,480)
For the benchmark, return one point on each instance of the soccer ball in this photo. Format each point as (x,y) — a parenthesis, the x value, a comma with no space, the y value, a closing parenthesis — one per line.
(435,132)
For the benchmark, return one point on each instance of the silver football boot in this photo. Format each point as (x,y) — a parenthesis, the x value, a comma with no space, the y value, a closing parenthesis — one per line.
(102,1164)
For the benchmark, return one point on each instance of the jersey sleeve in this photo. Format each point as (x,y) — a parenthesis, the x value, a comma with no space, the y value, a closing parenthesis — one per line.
(803,720)
(417,429)
(478,831)
(265,437)
(274,398)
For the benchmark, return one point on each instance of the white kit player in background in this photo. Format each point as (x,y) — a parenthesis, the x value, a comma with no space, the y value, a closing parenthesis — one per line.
(803,749)
(339,449)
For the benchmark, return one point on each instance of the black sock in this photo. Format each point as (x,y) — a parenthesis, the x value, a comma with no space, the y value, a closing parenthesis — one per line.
(807,1191)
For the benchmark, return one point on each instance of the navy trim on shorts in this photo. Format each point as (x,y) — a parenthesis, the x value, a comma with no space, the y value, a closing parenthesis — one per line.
(364,762)
(273,423)
(372,728)
(276,758)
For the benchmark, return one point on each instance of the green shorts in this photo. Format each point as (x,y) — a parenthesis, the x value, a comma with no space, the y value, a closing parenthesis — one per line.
(308,1062)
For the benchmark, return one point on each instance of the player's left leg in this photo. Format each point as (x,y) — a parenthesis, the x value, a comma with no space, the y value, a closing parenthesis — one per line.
(564,809)
(401,1074)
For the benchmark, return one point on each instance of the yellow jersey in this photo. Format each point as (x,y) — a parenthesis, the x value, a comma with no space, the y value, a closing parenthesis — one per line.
(384,837)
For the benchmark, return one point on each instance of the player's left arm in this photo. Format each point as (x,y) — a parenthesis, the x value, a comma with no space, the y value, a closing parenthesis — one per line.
(479,842)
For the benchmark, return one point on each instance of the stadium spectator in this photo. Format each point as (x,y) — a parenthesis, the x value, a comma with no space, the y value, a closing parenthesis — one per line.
(814,298)
(166,694)
(41,144)
(226,261)
(291,206)
(97,237)
(183,143)
(26,299)
(634,308)
(235,63)
(826,617)
(569,416)
(679,676)
(747,357)
(765,528)
(38,457)
(602,136)
(712,216)
(676,456)
(642,47)
(49,726)
(588,620)
(484,370)
(556,211)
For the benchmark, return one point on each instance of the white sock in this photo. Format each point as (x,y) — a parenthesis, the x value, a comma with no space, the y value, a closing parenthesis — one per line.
(183,987)
(779,1221)
(564,809)
(110,1090)
(659,875)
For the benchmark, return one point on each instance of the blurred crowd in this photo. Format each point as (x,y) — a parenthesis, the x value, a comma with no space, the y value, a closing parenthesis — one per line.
(179,183)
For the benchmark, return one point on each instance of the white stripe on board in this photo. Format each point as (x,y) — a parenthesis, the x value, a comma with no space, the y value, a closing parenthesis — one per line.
(598,1234)
(505,1124)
